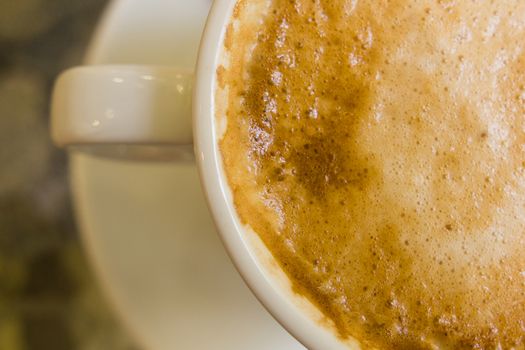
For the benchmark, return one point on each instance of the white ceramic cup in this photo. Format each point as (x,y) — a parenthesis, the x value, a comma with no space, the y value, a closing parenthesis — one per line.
(146,112)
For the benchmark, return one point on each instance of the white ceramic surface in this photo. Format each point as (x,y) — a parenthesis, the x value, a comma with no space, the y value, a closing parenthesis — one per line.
(146,226)
(122,104)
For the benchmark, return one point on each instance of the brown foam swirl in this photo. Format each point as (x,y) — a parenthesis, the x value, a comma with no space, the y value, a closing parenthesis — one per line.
(378,150)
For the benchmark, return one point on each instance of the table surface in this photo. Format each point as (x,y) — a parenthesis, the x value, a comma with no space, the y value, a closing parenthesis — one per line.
(49,298)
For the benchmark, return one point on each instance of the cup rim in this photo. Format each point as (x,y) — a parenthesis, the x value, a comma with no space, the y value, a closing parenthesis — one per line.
(216,189)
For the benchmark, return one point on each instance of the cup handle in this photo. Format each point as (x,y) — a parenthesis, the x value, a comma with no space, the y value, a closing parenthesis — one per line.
(125,111)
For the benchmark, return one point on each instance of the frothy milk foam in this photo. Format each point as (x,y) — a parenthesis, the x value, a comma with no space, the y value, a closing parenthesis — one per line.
(378,150)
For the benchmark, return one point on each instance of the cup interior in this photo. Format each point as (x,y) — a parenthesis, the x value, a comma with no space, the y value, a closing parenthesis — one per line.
(228,20)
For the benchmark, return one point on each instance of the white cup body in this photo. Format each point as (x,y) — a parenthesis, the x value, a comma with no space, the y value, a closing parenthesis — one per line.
(252,259)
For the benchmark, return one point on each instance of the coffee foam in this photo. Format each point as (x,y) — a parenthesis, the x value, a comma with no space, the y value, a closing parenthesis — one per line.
(377,150)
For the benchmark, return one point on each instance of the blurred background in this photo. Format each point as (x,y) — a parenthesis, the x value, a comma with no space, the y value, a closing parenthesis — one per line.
(49,298)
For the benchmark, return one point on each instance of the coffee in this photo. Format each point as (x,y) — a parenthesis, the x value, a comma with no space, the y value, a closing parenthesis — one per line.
(377,148)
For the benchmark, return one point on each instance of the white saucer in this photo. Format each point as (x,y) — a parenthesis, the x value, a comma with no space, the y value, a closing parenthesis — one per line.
(146,226)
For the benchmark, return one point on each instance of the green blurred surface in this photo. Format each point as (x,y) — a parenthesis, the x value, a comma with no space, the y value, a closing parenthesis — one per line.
(48,296)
